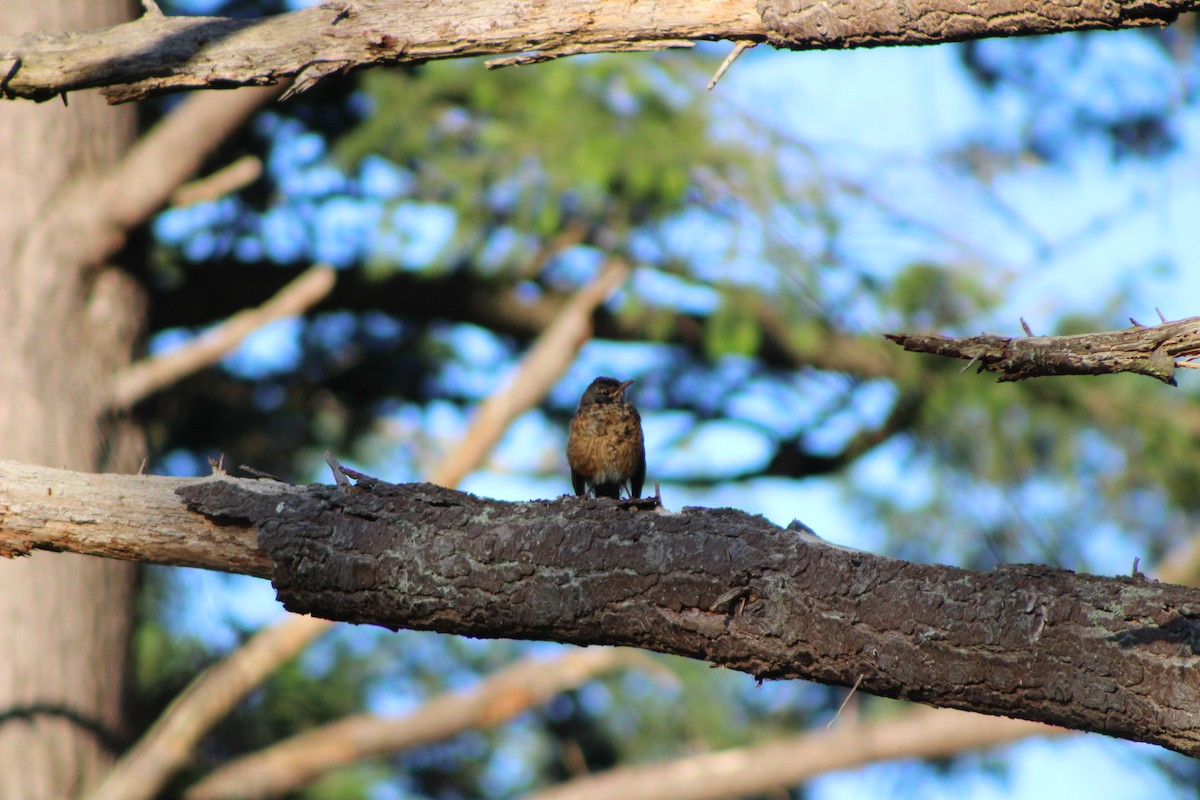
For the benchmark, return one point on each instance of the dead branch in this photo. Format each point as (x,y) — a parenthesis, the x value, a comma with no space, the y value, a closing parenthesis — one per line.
(158,54)
(1091,653)
(296,762)
(130,517)
(142,378)
(226,180)
(766,767)
(144,770)
(1155,351)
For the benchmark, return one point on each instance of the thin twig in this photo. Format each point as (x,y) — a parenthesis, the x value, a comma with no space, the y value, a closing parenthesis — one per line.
(842,707)
(143,378)
(339,473)
(741,47)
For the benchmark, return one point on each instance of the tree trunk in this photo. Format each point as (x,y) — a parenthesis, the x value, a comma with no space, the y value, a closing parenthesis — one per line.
(64,619)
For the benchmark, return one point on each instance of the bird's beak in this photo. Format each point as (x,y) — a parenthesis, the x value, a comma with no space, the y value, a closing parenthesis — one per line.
(621,389)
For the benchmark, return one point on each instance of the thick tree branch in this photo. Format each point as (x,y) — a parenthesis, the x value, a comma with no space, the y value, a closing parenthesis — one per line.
(158,54)
(131,517)
(1102,654)
(1146,350)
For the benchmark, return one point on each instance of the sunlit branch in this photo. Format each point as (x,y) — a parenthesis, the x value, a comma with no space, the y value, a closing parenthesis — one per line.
(143,378)
(1145,350)
(167,746)
(715,584)
(158,54)
(780,763)
(497,698)
(226,180)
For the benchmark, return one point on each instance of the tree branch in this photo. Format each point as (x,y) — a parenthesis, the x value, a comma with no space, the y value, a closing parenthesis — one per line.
(762,768)
(158,54)
(147,376)
(226,180)
(1103,654)
(1145,350)
(143,771)
(131,517)
(298,761)
(780,763)
(500,306)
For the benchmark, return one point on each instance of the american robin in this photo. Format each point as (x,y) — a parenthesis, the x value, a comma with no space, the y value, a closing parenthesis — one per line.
(605,447)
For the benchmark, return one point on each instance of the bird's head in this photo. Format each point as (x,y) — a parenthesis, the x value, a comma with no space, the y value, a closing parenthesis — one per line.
(604,390)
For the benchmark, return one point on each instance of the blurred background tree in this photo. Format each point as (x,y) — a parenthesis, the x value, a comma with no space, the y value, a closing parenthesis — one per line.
(776,227)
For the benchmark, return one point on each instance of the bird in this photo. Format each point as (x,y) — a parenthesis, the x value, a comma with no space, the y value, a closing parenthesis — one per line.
(605,448)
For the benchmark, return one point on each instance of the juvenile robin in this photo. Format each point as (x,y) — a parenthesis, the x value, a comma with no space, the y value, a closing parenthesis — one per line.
(605,447)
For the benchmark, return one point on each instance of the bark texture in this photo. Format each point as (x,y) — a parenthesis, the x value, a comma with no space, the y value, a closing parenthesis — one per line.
(160,54)
(68,324)
(1115,655)
(129,517)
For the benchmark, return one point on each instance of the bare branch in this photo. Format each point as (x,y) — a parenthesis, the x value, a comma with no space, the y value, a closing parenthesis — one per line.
(147,376)
(130,517)
(757,769)
(157,164)
(737,50)
(228,179)
(144,770)
(499,697)
(541,367)
(1145,350)
(157,54)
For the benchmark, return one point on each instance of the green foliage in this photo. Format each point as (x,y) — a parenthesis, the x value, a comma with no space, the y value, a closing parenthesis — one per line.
(614,141)
(734,328)
(936,296)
